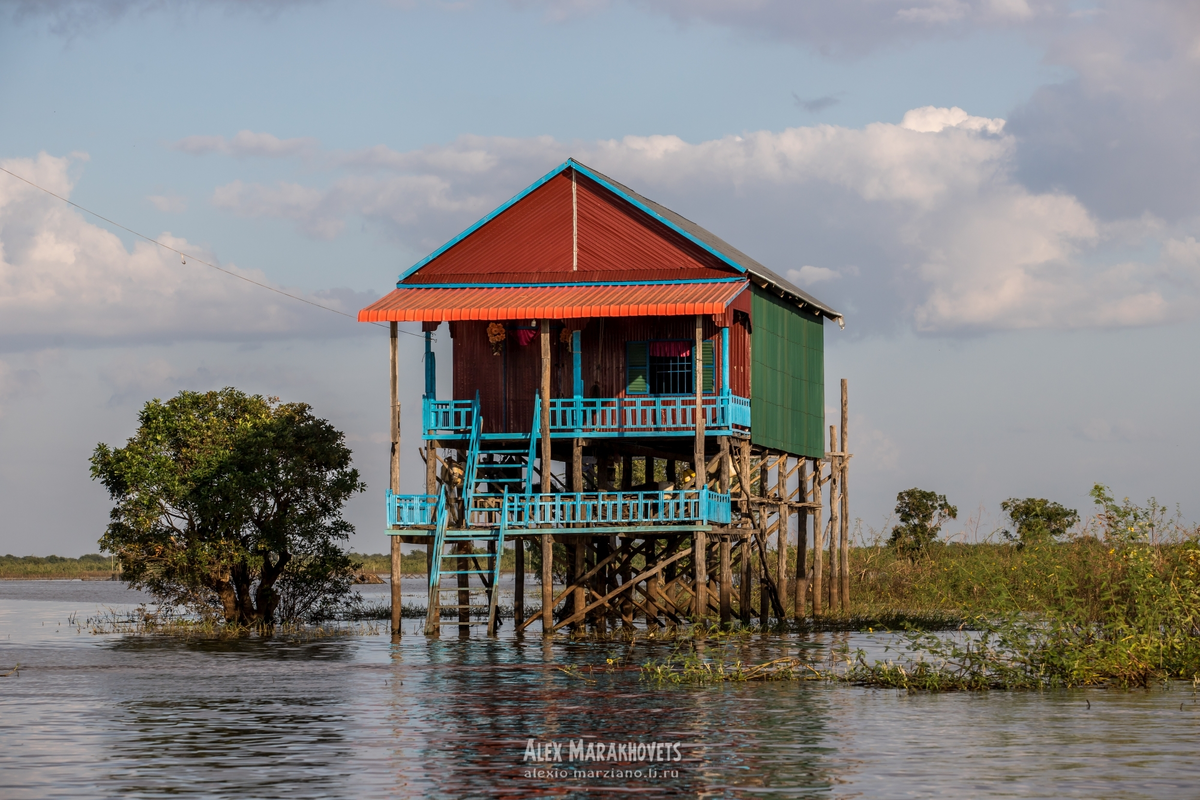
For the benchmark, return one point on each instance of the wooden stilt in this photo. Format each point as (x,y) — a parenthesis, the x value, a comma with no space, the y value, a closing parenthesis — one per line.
(700,460)
(834,530)
(745,579)
(781,539)
(699,556)
(844,511)
(519,580)
(801,606)
(580,543)
(547,486)
(433,613)
(726,580)
(397,554)
(818,573)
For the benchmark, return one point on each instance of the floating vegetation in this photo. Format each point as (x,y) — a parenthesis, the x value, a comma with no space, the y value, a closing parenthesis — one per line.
(143,621)
(16,670)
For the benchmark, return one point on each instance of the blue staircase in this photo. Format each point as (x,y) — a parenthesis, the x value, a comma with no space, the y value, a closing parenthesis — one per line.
(483,523)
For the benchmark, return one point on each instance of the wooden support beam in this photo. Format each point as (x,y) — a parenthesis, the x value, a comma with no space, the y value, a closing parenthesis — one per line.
(801,585)
(818,573)
(700,461)
(726,581)
(613,593)
(397,554)
(433,611)
(844,511)
(746,568)
(783,534)
(580,546)
(700,548)
(547,486)
(743,469)
(834,529)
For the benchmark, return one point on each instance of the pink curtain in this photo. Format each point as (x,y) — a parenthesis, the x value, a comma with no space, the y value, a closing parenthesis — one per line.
(524,336)
(674,349)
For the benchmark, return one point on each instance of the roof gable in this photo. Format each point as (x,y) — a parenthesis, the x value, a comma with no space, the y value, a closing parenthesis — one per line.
(576,225)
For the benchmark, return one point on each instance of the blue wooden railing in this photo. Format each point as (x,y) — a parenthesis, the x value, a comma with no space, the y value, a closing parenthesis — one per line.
(683,507)
(653,414)
(688,506)
(410,509)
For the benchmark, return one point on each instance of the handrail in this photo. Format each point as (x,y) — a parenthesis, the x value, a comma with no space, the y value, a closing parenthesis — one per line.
(533,437)
(410,509)
(435,566)
(471,470)
(698,506)
(649,413)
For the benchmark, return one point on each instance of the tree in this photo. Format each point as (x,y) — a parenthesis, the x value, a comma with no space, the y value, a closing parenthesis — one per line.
(231,503)
(1037,519)
(922,515)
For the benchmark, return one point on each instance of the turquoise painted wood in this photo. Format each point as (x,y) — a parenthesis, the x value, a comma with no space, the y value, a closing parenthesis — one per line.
(653,415)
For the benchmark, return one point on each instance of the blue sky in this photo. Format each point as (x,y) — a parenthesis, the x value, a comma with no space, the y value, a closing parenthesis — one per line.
(1001,195)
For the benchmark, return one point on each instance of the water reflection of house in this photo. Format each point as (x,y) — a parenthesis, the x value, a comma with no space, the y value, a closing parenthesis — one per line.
(636,349)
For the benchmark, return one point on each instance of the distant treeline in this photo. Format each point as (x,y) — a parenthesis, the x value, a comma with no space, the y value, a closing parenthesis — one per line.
(92,565)
(414,563)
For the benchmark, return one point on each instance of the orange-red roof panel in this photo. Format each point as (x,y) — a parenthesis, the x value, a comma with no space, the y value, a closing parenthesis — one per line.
(552,302)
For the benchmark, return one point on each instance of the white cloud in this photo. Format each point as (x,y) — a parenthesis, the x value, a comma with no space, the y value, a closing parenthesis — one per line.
(169,203)
(929,119)
(63,278)
(941,236)
(809,275)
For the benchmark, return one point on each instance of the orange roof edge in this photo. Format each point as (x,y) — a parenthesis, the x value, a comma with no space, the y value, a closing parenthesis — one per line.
(552,302)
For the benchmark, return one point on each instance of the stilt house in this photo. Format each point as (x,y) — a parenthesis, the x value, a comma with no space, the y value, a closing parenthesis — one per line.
(618,370)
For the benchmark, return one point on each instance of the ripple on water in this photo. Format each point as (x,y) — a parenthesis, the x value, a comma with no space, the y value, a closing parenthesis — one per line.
(360,717)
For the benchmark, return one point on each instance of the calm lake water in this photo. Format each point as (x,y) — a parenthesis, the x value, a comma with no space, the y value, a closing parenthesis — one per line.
(363,717)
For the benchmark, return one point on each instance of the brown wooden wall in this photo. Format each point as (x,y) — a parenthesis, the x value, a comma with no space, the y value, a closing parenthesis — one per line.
(506,383)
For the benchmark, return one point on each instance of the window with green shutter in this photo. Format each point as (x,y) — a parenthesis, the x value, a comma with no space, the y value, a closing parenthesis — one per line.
(665,367)
(637,368)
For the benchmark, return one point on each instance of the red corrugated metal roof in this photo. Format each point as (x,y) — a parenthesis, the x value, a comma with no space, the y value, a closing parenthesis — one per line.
(551,302)
(533,241)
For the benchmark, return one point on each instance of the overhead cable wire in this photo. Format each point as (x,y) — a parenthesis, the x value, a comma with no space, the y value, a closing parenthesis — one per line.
(186,256)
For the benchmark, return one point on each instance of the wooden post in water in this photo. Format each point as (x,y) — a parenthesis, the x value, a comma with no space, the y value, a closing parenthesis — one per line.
(764,597)
(834,529)
(394,476)
(746,577)
(818,579)
(726,580)
(801,609)
(581,542)
(781,481)
(845,509)
(463,549)
(433,614)
(699,462)
(547,486)
(724,481)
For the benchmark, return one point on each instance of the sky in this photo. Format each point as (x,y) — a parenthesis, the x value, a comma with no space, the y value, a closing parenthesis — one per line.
(1002,196)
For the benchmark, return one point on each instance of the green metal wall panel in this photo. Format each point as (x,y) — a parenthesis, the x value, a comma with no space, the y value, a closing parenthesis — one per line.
(787,377)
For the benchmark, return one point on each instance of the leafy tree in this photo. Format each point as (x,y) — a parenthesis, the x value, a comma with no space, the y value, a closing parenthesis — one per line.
(1037,519)
(922,515)
(232,503)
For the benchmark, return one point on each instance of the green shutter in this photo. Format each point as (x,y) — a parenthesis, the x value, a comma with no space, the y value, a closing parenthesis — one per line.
(710,373)
(637,368)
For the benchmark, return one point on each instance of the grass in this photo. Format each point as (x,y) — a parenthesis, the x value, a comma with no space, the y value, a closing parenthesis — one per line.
(93,565)
(1108,606)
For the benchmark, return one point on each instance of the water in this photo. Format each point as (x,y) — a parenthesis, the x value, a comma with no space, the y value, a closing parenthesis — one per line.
(361,717)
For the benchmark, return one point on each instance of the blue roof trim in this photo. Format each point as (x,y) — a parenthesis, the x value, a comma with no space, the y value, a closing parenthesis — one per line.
(495,213)
(582,170)
(733,279)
